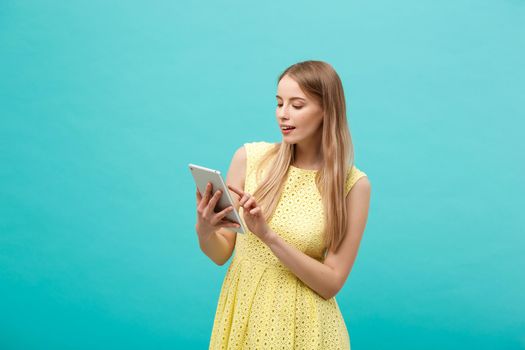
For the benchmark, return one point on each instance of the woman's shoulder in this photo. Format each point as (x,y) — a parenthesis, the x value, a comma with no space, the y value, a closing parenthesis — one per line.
(255,148)
(260,144)
(355,171)
(352,176)
(255,151)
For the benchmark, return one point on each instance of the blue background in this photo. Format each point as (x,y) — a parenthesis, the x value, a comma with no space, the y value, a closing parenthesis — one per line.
(104,103)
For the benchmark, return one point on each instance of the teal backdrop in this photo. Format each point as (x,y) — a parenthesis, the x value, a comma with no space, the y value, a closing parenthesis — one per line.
(103,104)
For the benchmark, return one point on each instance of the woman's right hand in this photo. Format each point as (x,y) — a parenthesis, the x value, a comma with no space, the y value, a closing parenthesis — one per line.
(208,222)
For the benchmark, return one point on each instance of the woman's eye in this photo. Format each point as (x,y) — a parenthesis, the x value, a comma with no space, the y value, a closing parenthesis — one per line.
(296,107)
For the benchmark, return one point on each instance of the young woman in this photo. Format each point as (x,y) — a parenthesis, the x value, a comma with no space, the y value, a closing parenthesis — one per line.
(305,205)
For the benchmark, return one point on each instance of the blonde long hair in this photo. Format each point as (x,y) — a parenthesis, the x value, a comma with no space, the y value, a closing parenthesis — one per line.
(317,79)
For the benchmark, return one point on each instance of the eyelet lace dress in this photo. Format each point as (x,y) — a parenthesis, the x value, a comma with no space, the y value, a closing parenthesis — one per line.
(262,304)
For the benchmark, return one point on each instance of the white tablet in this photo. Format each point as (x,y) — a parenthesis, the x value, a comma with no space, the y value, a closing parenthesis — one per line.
(202,176)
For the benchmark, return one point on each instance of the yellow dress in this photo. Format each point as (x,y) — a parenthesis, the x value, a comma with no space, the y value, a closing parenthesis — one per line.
(262,304)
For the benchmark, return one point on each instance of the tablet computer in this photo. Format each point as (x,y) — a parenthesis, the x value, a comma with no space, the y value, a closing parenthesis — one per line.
(202,176)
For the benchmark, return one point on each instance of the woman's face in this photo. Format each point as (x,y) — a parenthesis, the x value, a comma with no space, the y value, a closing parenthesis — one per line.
(296,109)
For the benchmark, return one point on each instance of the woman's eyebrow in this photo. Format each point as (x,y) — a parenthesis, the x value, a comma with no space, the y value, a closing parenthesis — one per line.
(292,98)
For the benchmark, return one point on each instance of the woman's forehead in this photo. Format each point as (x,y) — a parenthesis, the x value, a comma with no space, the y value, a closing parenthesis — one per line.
(290,89)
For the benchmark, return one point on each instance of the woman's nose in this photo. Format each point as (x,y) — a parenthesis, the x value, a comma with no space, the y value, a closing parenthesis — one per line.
(281,113)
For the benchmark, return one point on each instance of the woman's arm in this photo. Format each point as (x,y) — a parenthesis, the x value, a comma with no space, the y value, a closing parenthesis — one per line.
(219,245)
(329,277)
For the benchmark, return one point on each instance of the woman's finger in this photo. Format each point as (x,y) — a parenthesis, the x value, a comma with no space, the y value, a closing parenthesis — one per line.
(243,200)
(228,224)
(217,221)
(223,213)
(213,201)
(250,202)
(255,211)
(207,195)
(200,203)
(239,192)
(209,209)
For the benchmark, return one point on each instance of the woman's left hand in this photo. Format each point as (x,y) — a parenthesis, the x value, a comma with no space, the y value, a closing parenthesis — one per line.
(252,214)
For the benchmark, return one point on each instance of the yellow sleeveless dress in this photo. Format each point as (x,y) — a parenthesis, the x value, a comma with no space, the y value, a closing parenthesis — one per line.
(262,304)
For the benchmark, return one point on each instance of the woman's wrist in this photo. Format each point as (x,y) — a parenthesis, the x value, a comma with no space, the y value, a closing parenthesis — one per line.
(205,236)
(269,237)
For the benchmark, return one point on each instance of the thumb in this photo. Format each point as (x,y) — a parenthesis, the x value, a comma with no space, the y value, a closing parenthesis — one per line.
(198,195)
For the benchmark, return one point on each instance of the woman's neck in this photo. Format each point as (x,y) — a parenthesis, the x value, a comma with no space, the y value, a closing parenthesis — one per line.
(308,155)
